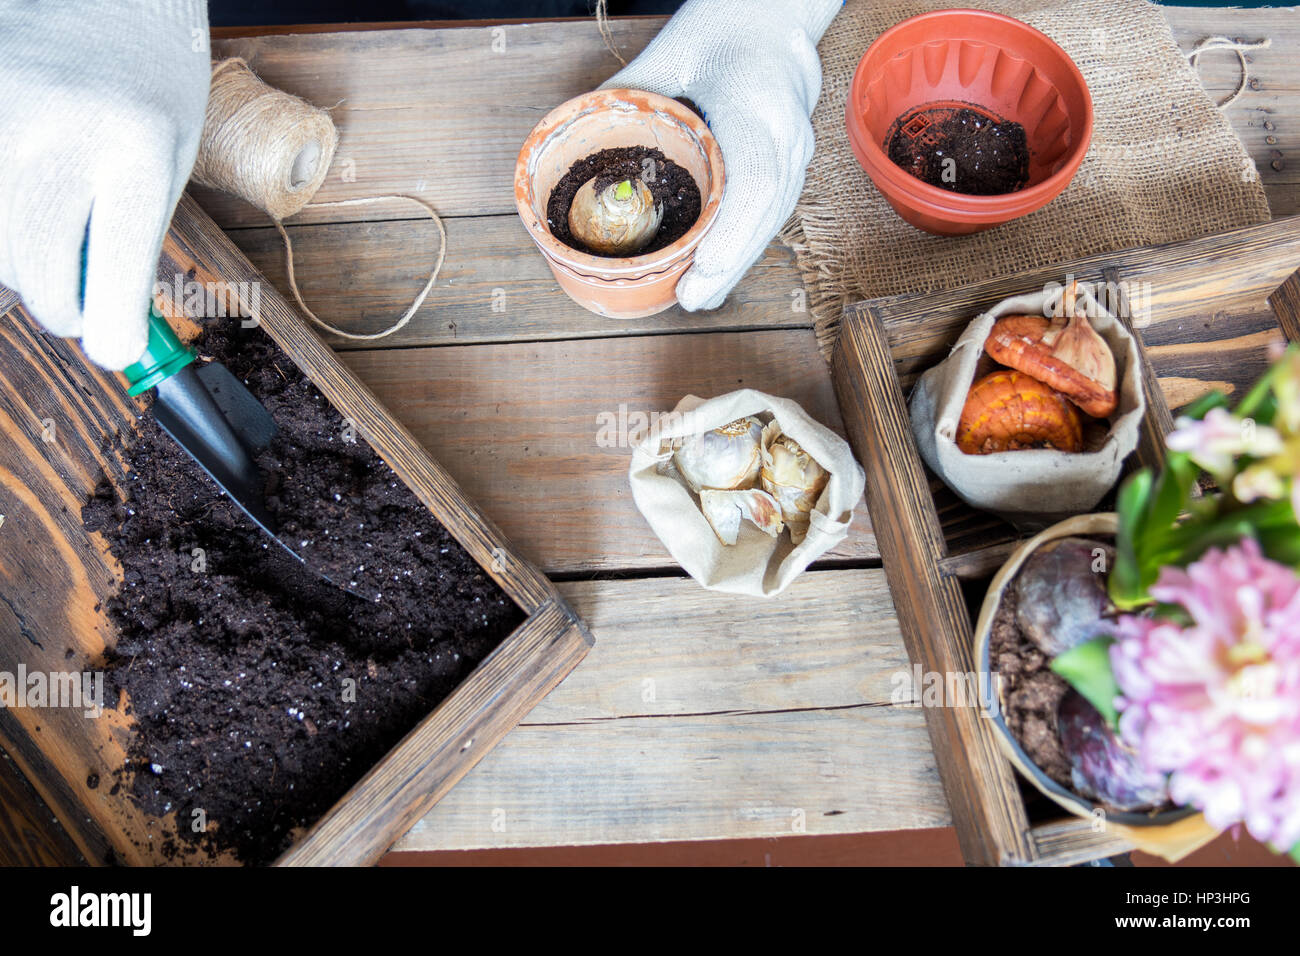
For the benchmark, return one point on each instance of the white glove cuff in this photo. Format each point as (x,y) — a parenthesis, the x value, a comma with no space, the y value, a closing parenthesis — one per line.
(192,12)
(814,16)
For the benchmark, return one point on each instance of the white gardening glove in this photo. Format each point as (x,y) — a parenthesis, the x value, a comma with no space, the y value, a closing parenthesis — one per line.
(101,108)
(751,66)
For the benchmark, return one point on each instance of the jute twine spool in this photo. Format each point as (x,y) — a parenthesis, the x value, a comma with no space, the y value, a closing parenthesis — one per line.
(274,150)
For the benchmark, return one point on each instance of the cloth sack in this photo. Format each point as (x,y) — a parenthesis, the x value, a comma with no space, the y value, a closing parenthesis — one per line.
(1032,487)
(756,564)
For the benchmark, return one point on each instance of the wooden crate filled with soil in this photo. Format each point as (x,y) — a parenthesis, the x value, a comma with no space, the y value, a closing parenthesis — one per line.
(1205,312)
(251,708)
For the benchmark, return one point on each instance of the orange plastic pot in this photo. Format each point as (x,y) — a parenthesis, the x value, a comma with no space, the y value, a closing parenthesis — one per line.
(980,60)
(635,286)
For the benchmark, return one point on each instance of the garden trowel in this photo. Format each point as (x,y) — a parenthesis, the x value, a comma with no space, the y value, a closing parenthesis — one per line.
(211,415)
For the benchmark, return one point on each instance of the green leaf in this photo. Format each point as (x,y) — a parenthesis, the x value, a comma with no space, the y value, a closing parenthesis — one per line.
(1295,853)
(1222,535)
(1191,539)
(1260,403)
(1131,503)
(1199,408)
(1281,544)
(623,191)
(1125,582)
(1171,495)
(1086,667)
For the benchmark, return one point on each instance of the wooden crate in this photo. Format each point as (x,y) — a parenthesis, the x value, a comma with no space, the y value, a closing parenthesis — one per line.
(54,579)
(1206,311)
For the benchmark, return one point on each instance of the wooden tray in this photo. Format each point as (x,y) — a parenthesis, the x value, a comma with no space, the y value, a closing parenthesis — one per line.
(54,578)
(1206,312)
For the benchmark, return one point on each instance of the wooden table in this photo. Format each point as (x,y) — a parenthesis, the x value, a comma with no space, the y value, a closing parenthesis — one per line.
(696,716)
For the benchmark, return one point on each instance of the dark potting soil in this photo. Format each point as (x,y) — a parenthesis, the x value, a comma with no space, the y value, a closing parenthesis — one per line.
(1031,692)
(961,150)
(669,183)
(260,693)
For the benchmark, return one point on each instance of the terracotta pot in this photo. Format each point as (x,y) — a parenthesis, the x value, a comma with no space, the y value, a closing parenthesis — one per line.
(975,59)
(620,288)
(1171,834)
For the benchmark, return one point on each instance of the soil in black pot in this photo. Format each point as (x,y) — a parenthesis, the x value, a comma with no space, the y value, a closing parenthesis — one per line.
(1056,602)
(670,184)
(259,692)
(961,150)
(1031,692)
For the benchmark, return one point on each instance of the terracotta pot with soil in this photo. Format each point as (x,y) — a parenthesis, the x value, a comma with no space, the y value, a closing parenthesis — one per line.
(966,119)
(617,188)
(1049,596)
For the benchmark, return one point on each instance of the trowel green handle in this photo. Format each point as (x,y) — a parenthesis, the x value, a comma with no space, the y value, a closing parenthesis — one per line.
(163,357)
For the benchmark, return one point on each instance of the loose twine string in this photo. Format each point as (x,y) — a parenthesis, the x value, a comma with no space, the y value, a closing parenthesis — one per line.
(274,150)
(1236,46)
(606,34)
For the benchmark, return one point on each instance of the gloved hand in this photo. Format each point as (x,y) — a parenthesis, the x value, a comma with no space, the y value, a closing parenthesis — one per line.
(751,66)
(101,108)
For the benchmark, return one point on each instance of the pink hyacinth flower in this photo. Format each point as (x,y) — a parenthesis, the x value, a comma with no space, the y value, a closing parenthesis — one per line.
(1216,704)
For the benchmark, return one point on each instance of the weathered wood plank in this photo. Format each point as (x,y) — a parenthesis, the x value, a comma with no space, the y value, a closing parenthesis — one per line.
(699,715)
(1285,302)
(57,419)
(442,112)
(494,285)
(1267,115)
(1158,421)
(29,832)
(982,792)
(529,429)
(439,114)
(644,780)
(666,647)
(1072,841)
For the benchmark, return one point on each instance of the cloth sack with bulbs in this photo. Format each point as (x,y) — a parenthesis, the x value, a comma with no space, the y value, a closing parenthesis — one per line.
(745,490)
(1030,487)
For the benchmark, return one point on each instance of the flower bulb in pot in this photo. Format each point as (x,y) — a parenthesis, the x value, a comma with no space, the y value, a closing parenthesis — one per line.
(620,220)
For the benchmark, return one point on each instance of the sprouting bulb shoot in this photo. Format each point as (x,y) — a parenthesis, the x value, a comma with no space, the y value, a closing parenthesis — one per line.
(619,221)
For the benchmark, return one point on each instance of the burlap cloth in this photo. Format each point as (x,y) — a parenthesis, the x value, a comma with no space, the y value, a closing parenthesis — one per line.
(1164,164)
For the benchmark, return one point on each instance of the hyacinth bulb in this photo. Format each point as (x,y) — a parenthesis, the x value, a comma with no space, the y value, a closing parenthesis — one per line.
(1102,767)
(620,220)
(1061,597)
(793,477)
(725,459)
(725,509)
